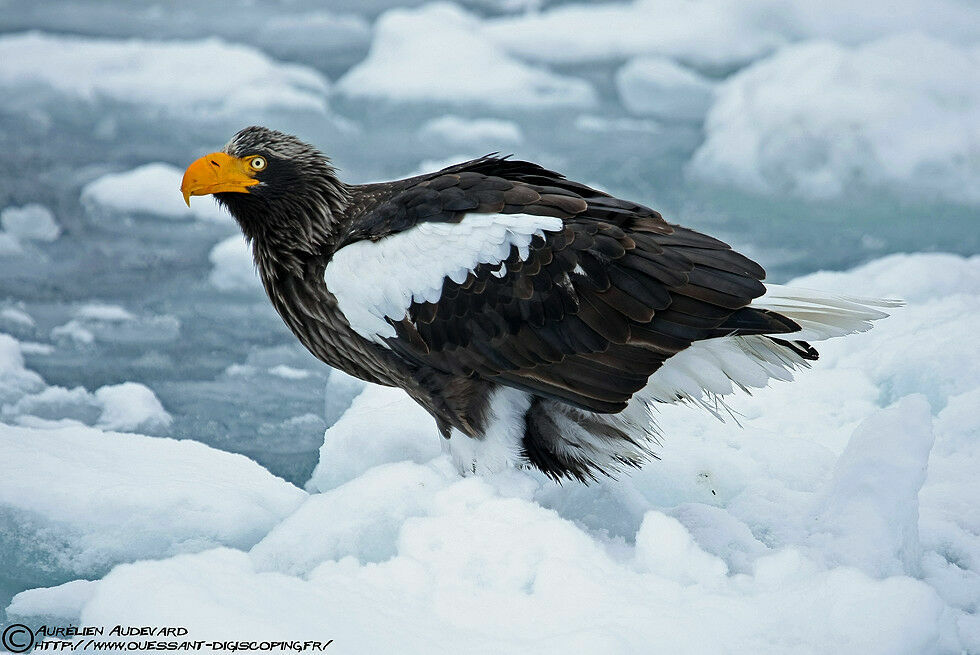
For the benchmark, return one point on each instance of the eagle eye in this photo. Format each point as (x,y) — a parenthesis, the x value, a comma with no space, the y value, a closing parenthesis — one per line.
(257,163)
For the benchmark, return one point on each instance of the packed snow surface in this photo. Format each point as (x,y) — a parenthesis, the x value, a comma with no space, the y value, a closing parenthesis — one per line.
(839,517)
(818,118)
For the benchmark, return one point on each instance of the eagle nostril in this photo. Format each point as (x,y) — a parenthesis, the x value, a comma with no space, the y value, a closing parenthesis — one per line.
(216,164)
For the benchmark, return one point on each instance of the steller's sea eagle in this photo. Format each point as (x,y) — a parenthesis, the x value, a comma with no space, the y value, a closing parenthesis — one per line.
(539,321)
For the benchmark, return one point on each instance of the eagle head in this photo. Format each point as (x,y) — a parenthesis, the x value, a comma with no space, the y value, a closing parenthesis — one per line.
(278,188)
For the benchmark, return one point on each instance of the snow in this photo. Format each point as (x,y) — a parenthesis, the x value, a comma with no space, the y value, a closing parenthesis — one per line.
(870,513)
(437,54)
(839,517)
(838,513)
(16,381)
(121,497)
(659,87)
(131,407)
(708,33)
(31,222)
(165,75)
(9,245)
(289,373)
(232,266)
(719,34)
(152,189)
(96,322)
(455,130)
(62,601)
(104,312)
(820,119)
(359,441)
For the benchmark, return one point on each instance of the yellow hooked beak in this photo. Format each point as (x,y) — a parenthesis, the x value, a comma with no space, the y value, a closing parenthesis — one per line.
(217,173)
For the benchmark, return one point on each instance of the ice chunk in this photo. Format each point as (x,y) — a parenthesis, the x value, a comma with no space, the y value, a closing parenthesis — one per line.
(15,380)
(360,519)
(113,324)
(721,534)
(437,54)
(64,601)
(233,268)
(719,34)
(17,322)
(161,74)
(104,312)
(666,548)
(57,403)
(10,245)
(714,33)
(819,119)
(131,407)
(289,373)
(870,513)
(125,497)
(456,130)
(342,389)
(149,189)
(659,87)
(920,278)
(382,425)
(31,222)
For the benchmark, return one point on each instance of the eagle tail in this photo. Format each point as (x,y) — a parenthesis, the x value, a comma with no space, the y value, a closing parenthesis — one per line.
(767,340)
(823,315)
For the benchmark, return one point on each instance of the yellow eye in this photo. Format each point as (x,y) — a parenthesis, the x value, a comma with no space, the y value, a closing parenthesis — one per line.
(257,163)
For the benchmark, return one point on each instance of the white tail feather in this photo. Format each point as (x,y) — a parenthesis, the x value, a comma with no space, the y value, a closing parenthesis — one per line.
(708,370)
(823,315)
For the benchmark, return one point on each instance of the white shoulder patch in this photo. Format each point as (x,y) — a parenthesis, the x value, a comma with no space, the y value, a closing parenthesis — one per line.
(374,280)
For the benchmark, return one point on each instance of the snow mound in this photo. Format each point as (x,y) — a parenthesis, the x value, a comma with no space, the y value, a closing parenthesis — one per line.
(819,119)
(533,575)
(456,130)
(166,75)
(121,497)
(149,189)
(437,54)
(658,86)
(839,515)
(232,266)
(31,222)
(131,407)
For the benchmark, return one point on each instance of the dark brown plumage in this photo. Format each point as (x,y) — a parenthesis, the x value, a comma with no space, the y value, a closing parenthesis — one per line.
(576,320)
